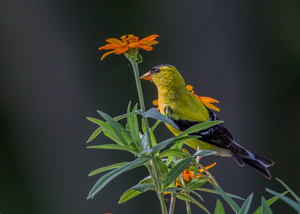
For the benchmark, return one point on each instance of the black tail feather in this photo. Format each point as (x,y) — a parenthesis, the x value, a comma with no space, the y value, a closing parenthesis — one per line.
(258,163)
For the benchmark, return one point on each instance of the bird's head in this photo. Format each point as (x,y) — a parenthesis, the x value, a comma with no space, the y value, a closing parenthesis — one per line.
(165,76)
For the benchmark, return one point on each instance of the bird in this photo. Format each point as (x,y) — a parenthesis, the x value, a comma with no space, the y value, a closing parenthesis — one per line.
(180,105)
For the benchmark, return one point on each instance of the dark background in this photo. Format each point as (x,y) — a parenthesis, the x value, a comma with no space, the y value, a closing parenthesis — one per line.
(246,54)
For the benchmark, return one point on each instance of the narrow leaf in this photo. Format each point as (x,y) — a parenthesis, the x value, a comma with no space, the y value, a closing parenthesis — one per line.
(219,208)
(112,146)
(290,190)
(204,153)
(103,169)
(143,187)
(215,192)
(162,166)
(95,134)
(246,206)
(198,182)
(231,202)
(189,198)
(174,153)
(199,127)
(178,145)
(270,201)
(177,170)
(113,174)
(129,194)
(115,125)
(162,145)
(145,151)
(287,200)
(265,207)
(154,114)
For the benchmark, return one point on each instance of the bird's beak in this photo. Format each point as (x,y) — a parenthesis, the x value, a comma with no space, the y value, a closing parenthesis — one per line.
(147,76)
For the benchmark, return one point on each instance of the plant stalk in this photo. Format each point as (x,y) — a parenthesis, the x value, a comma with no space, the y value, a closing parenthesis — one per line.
(188,207)
(172,204)
(154,174)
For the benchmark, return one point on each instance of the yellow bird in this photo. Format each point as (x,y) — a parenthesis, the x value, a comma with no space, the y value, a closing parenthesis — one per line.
(180,105)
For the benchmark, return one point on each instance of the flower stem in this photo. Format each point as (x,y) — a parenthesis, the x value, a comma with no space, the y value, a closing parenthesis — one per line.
(188,207)
(155,173)
(172,204)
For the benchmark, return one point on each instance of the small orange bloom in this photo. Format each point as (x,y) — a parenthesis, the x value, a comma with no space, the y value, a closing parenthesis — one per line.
(205,100)
(128,42)
(188,175)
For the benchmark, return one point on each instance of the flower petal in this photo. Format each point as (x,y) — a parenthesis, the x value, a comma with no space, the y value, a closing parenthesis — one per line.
(149,43)
(209,99)
(208,167)
(108,46)
(115,41)
(211,106)
(151,37)
(134,45)
(145,47)
(155,102)
(121,50)
(107,53)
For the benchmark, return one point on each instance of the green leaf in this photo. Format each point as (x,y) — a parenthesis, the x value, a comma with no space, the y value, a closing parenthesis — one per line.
(107,128)
(290,190)
(265,207)
(162,166)
(144,141)
(113,174)
(178,145)
(174,153)
(95,134)
(129,194)
(270,201)
(155,125)
(219,208)
(189,198)
(199,182)
(174,189)
(177,170)
(215,192)
(199,127)
(103,169)
(112,146)
(145,151)
(143,187)
(133,125)
(246,206)
(287,200)
(162,145)
(204,153)
(154,114)
(231,202)
(116,127)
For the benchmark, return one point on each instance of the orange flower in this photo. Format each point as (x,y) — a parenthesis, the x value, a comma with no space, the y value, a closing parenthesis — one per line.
(128,43)
(188,175)
(205,100)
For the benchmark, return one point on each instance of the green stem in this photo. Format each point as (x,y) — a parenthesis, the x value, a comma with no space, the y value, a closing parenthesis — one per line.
(172,204)
(142,104)
(188,207)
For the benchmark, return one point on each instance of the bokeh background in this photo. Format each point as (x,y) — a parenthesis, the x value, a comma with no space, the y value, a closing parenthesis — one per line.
(246,54)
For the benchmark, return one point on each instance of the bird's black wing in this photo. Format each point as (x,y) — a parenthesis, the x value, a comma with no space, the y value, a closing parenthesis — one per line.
(216,135)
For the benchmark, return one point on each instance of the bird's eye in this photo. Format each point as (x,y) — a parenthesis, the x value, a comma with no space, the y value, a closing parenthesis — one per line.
(155,70)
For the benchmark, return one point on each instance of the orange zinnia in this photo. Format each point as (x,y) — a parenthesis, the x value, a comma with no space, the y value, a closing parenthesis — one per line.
(128,42)
(205,100)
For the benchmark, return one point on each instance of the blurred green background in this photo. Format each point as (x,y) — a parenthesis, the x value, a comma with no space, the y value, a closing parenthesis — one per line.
(246,54)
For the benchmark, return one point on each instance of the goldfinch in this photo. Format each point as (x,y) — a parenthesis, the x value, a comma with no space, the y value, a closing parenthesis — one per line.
(180,105)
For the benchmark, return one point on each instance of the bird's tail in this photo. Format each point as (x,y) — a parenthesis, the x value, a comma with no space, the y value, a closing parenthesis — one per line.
(258,163)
